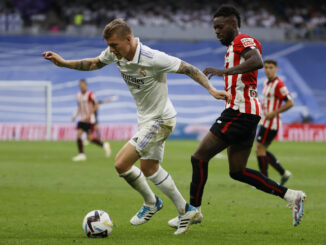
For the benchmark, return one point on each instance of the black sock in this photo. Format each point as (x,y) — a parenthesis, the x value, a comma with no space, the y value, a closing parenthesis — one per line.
(263,164)
(80,146)
(275,163)
(260,181)
(97,142)
(199,178)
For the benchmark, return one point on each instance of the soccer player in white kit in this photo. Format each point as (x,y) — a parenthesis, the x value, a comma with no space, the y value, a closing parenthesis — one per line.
(144,71)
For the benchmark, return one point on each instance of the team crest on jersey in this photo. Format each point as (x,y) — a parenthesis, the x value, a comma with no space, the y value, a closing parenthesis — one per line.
(253,93)
(248,42)
(143,71)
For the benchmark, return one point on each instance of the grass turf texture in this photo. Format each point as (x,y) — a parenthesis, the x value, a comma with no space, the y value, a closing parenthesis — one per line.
(44,197)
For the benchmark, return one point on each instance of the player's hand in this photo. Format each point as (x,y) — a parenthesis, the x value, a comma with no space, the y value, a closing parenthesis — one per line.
(114,98)
(270,115)
(54,58)
(209,72)
(220,95)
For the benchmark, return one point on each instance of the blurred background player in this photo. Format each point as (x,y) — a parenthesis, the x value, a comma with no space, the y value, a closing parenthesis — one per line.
(87,106)
(96,131)
(235,129)
(274,93)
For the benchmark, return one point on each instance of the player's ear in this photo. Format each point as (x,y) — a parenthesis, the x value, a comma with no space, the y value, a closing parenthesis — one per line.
(234,22)
(129,38)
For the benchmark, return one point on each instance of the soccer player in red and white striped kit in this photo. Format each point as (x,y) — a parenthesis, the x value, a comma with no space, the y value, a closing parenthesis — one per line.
(235,129)
(274,93)
(87,106)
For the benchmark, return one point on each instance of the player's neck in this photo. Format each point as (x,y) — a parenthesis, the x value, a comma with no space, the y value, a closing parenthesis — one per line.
(133,49)
(272,78)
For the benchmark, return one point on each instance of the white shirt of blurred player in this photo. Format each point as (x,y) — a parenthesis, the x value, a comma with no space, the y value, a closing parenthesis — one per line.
(145,76)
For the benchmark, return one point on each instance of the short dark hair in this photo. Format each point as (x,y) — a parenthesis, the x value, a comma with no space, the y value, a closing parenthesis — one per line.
(227,10)
(270,61)
(116,26)
(83,81)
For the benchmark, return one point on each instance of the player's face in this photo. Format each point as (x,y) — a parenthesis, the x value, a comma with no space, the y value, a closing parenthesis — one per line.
(270,70)
(83,87)
(224,29)
(120,46)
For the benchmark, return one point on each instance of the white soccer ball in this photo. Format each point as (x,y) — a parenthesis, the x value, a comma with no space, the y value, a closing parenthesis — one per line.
(97,223)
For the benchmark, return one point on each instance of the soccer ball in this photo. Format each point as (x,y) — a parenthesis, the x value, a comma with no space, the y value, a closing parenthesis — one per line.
(97,223)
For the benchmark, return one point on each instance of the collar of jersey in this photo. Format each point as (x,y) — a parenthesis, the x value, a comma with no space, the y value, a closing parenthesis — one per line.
(268,81)
(135,60)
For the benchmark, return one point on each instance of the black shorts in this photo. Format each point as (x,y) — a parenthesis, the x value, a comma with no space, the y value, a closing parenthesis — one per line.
(266,136)
(236,128)
(86,127)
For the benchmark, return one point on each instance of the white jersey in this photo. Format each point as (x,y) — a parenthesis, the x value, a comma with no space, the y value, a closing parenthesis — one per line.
(145,76)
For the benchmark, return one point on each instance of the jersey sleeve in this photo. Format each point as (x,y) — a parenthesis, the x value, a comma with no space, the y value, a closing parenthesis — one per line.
(106,56)
(163,62)
(281,91)
(244,43)
(92,97)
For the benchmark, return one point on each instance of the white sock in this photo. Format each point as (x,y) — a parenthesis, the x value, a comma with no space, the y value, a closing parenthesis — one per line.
(137,180)
(290,195)
(165,183)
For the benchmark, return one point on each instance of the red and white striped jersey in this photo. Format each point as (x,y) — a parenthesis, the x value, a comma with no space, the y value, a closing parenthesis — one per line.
(274,92)
(86,103)
(242,87)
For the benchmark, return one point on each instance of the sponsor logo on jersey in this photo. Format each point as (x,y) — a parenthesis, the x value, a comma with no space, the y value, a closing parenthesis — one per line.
(253,93)
(132,81)
(248,42)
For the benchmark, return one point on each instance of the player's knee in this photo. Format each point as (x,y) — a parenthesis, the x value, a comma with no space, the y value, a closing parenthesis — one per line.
(119,166)
(200,156)
(236,175)
(147,171)
(260,149)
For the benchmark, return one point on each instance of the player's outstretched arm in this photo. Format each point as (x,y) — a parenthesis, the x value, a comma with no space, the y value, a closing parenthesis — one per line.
(253,61)
(194,73)
(87,64)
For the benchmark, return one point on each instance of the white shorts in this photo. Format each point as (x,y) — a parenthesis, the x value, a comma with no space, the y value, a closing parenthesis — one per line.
(150,138)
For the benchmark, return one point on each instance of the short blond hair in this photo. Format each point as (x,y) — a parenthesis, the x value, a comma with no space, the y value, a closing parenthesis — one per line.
(116,26)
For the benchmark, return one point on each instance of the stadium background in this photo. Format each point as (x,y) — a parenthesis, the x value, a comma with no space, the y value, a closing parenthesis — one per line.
(44,195)
(30,27)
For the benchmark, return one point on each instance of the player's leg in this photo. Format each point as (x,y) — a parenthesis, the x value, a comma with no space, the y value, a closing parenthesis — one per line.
(262,158)
(261,147)
(163,180)
(238,157)
(150,145)
(124,164)
(81,156)
(97,131)
(285,174)
(98,141)
(207,149)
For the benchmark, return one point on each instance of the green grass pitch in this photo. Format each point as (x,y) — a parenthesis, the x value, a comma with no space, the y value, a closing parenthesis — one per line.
(44,197)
